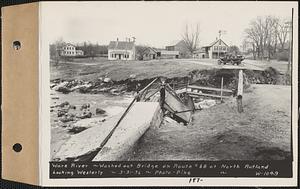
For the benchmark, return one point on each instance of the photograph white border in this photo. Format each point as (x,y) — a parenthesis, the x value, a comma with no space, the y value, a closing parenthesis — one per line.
(44,121)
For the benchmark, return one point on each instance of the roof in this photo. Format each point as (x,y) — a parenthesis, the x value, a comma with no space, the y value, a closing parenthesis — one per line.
(211,44)
(174,43)
(69,44)
(121,45)
(150,50)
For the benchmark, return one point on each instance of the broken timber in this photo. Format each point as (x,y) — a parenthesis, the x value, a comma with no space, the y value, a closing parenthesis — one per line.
(113,139)
(193,91)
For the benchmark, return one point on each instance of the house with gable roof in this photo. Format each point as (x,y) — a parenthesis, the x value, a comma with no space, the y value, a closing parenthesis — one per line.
(214,50)
(121,50)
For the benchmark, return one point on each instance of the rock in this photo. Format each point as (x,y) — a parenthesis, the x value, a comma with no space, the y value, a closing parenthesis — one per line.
(63,87)
(52,85)
(61,113)
(85,106)
(62,84)
(64,90)
(107,80)
(76,130)
(132,76)
(66,103)
(100,111)
(67,118)
(85,115)
(72,107)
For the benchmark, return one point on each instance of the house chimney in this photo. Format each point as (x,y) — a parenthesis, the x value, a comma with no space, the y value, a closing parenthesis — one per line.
(117,39)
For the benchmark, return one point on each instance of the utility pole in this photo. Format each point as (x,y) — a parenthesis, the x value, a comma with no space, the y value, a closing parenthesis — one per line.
(220,34)
(126,50)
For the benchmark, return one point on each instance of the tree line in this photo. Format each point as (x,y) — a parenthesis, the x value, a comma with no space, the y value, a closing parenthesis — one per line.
(90,49)
(267,38)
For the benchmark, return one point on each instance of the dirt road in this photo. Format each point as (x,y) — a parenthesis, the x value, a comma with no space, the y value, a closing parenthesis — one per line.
(213,64)
(262,132)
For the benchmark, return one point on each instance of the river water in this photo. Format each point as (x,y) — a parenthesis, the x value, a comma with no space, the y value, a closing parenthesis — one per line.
(60,131)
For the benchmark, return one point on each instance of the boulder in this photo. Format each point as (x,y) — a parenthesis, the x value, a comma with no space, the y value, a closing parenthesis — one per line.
(100,111)
(85,106)
(107,80)
(85,115)
(132,76)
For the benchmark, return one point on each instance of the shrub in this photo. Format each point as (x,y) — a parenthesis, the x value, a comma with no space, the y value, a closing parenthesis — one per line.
(282,56)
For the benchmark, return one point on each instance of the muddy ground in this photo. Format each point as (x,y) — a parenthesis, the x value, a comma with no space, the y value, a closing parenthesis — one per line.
(261,132)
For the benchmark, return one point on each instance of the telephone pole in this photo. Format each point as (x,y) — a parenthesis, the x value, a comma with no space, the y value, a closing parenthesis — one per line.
(220,34)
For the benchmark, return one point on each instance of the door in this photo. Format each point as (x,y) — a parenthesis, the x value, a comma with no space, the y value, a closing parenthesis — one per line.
(119,57)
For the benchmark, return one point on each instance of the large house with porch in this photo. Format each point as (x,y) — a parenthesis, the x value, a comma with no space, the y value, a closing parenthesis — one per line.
(216,49)
(121,50)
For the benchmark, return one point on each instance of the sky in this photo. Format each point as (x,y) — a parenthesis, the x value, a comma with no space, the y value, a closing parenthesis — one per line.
(155,23)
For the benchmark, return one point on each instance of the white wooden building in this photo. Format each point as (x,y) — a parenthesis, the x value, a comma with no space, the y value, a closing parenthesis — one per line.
(70,50)
(214,50)
(121,50)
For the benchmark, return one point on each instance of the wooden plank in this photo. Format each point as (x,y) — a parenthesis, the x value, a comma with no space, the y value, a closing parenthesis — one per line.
(205,94)
(138,120)
(209,88)
(240,83)
(175,103)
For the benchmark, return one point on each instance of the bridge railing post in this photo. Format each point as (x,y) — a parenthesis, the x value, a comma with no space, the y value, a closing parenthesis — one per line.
(240,92)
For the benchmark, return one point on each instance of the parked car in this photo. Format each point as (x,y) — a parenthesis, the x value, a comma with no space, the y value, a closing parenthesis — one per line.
(231,59)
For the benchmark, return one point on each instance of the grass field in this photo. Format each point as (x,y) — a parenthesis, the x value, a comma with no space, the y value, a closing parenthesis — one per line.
(92,69)
(87,69)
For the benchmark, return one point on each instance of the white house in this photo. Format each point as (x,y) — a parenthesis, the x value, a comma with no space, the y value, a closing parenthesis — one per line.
(216,49)
(70,50)
(121,50)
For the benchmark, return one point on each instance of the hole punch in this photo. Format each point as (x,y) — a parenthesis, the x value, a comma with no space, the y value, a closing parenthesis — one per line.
(16,45)
(17,147)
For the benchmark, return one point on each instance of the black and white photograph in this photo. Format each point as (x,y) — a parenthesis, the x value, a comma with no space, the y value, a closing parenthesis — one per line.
(170,81)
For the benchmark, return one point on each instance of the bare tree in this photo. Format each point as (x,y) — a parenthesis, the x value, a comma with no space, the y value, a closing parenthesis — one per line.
(282,33)
(141,50)
(264,34)
(191,37)
(56,50)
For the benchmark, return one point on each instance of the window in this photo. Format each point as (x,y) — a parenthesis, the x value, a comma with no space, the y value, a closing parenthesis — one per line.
(215,47)
(224,48)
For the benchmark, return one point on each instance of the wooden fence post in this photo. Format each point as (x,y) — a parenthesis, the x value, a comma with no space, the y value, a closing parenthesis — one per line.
(240,92)
(221,90)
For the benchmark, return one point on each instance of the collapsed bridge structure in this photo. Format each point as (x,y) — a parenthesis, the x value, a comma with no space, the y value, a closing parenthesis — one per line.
(113,139)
